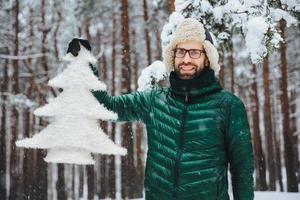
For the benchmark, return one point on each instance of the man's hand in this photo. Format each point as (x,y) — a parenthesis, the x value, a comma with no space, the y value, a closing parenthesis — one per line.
(74,46)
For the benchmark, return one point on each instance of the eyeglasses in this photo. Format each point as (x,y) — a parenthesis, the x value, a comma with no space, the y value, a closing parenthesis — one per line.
(193,53)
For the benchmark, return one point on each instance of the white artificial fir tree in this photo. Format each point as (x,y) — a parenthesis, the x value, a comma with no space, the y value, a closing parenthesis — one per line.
(74,132)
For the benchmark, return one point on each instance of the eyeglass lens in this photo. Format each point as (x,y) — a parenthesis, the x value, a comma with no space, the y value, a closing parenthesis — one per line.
(193,53)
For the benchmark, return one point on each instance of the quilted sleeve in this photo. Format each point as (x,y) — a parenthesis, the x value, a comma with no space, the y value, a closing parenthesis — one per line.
(240,152)
(129,107)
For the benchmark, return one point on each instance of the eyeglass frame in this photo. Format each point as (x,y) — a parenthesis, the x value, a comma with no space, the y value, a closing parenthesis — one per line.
(188,51)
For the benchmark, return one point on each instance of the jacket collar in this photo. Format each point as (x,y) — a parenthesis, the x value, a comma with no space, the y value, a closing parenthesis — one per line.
(205,83)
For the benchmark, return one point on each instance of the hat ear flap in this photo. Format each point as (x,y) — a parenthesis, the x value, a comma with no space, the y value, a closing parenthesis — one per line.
(168,56)
(208,36)
(212,55)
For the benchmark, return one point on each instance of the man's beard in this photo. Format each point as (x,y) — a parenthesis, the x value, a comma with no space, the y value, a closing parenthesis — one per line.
(189,73)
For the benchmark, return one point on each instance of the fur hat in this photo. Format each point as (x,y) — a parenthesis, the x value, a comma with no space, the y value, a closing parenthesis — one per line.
(187,30)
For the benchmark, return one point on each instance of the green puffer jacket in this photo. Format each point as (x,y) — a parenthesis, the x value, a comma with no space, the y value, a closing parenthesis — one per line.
(194,129)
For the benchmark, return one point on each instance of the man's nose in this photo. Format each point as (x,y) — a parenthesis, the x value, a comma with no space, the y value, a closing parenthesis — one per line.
(187,58)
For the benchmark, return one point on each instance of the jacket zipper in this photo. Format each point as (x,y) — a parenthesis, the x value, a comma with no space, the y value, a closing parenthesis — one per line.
(179,152)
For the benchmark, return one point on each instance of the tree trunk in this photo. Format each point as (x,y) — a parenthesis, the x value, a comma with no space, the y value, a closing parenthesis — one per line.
(103,74)
(294,131)
(90,181)
(278,164)
(28,153)
(105,128)
(158,44)
(58,22)
(87,29)
(112,176)
(128,171)
(269,138)
(231,63)
(260,165)
(138,128)
(276,113)
(135,60)
(146,32)
(79,31)
(41,175)
(14,192)
(3,133)
(60,184)
(103,158)
(103,191)
(41,183)
(81,180)
(33,193)
(289,143)
(73,188)
(28,165)
(221,72)
(171,6)
(97,174)
(44,31)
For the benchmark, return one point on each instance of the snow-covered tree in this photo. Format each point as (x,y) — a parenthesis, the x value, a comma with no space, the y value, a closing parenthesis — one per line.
(254,19)
(74,132)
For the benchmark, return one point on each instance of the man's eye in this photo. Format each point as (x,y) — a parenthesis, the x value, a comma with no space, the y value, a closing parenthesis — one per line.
(194,52)
(180,51)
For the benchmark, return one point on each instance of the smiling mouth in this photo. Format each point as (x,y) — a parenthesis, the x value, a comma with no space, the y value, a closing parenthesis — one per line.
(187,68)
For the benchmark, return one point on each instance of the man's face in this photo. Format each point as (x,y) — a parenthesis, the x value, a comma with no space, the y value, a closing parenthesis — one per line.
(187,67)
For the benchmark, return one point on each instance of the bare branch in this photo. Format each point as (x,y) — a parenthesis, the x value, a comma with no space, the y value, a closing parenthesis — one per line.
(22,57)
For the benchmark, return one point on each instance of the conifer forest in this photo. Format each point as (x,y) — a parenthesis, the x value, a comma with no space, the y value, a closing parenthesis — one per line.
(126,36)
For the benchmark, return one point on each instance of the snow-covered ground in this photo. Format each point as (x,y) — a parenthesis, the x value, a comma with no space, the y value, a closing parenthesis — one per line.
(265,196)
(276,196)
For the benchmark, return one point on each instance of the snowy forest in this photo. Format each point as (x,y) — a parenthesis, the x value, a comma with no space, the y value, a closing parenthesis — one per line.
(259,46)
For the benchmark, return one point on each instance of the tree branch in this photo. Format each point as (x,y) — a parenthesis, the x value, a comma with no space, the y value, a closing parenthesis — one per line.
(22,57)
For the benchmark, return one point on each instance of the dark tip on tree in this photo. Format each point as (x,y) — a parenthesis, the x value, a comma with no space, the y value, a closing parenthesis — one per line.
(74,46)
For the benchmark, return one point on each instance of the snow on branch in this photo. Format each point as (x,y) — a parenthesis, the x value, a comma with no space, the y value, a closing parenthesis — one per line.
(255,38)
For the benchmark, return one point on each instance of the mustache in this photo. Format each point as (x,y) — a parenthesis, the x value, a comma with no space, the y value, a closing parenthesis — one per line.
(181,64)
